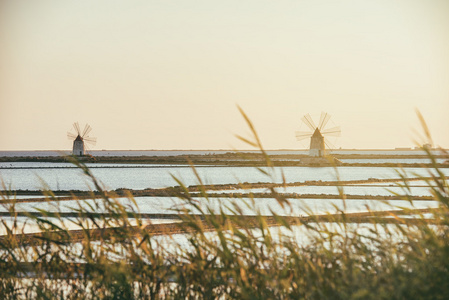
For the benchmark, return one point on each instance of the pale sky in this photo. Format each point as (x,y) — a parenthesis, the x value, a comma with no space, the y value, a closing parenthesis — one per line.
(169,74)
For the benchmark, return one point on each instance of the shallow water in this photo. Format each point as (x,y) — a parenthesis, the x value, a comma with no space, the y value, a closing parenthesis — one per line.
(393,160)
(161,205)
(141,178)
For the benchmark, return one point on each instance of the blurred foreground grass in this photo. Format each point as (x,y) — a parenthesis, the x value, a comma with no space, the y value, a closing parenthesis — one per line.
(223,255)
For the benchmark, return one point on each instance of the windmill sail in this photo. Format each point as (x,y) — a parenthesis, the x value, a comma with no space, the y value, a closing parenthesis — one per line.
(86,130)
(334,131)
(324,118)
(302,135)
(307,119)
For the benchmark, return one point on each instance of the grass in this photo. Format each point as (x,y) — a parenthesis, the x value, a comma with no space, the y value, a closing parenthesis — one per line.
(223,254)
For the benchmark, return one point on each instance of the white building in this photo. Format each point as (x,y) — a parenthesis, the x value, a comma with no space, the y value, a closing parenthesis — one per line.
(317,144)
(78,146)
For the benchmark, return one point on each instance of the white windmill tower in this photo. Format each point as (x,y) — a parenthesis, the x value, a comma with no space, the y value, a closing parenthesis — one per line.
(318,134)
(80,139)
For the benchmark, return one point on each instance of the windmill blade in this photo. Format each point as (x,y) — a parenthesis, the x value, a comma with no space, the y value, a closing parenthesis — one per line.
(90,140)
(328,144)
(71,136)
(324,118)
(334,131)
(86,130)
(302,138)
(77,128)
(302,135)
(307,119)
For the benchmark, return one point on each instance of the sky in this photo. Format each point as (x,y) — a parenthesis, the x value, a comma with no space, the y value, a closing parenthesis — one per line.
(171,74)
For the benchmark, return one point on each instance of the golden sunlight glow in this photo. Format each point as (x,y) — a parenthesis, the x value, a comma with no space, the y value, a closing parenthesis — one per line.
(169,74)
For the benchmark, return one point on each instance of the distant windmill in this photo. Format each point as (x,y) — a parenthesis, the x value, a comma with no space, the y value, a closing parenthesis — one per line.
(318,134)
(79,137)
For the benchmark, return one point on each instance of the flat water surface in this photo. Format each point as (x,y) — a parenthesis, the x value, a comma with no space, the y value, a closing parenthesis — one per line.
(298,207)
(160,177)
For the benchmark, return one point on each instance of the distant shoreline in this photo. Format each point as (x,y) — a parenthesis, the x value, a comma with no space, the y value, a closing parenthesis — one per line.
(223,150)
(151,153)
(244,159)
